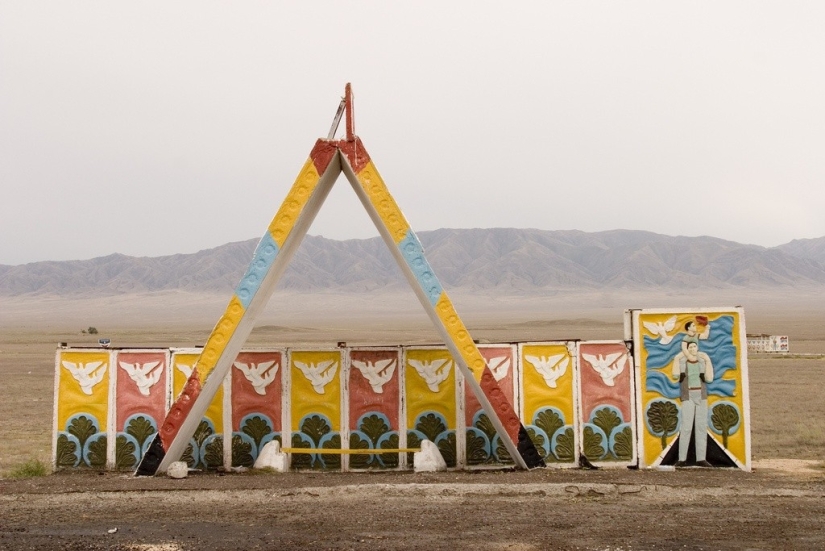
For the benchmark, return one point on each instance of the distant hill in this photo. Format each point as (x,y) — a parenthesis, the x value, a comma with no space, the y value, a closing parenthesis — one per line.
(502,259)
(813,249)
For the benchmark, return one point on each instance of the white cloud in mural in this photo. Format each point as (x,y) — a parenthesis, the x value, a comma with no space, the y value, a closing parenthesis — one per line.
(608,367)
(434,373)
(319,374)
(260,375)
(144,375)
(377,373)
(550,367)
(87,374)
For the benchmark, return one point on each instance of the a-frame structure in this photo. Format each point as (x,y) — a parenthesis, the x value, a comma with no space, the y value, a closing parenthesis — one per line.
(327,160)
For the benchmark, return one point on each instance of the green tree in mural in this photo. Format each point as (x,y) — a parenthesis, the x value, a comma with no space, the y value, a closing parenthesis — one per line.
(663,419)
(241,452)
(125,453)
(623,447)
(592,444)
(607,420)
(565,445)
(141,428)
(724,417)
(256,428)
(82,428)
(67,452)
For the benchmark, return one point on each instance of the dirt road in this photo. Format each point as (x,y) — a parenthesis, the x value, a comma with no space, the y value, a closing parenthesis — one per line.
(542,509)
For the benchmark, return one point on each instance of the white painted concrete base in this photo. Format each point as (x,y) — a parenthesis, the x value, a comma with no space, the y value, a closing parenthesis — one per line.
(429,459)
(271,457)
(178,469)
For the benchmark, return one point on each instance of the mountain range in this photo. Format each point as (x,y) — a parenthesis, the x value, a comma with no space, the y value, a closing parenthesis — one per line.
(499,259)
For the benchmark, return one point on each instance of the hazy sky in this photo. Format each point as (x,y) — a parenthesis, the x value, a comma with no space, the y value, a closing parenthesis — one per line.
(154,128)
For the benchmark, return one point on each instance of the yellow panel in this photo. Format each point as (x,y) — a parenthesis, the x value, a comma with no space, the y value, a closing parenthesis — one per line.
(430,384)
(547,379)
(220,337)
(294,203)
(383,202)
(316,386)
(86,391)
(652,443)
(460,336)
(182,365)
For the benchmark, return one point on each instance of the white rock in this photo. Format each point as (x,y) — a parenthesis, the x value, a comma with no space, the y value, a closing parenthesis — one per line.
(178,469)
(429,459)
(271,457)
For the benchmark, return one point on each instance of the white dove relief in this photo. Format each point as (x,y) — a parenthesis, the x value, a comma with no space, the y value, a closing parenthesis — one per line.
(319,374)
(260,374)
(145,375)
(661,329)
(499,365)
(434,373)
(186,369)
(376,373)
(608,367)
(550,367)
(88,374)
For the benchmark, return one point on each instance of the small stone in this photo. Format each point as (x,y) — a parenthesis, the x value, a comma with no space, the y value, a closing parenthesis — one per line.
(178,469)
(112,530)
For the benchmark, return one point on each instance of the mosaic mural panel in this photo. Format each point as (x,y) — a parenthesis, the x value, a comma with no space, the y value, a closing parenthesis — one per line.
(82,390)
(374,406)
(548,372)
(482,446)
(430,380)
(142,391)
(205,448)
(606,407)
(692,385)
(256,397)
(316,411)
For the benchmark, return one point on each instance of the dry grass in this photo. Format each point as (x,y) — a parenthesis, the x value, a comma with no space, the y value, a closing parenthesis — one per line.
(787,409)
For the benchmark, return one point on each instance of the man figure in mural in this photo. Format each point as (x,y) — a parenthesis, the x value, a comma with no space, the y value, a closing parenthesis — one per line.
(694,372)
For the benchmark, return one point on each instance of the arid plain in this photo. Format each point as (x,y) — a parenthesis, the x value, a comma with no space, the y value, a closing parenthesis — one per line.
(787,420)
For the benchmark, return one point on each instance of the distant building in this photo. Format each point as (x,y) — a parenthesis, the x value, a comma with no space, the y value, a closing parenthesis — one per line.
(768,343)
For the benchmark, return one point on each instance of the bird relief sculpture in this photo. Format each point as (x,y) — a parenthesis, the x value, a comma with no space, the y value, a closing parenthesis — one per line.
(434,373)
(318,374)
(551,368)
(608,367)
(499,366)
(260,375)
(377,373)
(87,374)
(186,369)
(144,375)
(661,329)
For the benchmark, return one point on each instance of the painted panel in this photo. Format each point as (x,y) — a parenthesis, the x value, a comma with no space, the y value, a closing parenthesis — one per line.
(255,403)
(316,415)
(606,404)
(82,404)
(430,379)
(141,395)
(205,448)
(374,405)
(692,382)
(548,377)
(483,447)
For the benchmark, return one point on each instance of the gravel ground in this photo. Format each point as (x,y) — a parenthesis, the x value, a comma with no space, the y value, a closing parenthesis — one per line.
(779,506)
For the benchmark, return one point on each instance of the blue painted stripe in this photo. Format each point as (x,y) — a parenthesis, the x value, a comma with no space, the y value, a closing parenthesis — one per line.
(264,257)
(414,255)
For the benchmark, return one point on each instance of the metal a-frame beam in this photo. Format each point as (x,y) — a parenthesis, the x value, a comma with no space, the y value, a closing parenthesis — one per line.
(288,228)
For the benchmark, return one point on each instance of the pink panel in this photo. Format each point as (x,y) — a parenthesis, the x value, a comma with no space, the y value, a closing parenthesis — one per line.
(371,386)
(499,359)
(595,389)
(141,386)
(256,386)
